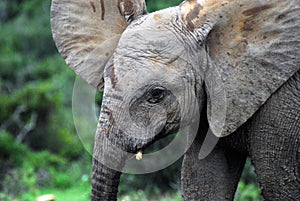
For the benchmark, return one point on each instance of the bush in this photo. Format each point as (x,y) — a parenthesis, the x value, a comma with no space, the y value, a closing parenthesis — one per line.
(17,182)
(24,171)
(35,100)
(153,5)
(62,180)
(248,189)
(11,152)
(248,192)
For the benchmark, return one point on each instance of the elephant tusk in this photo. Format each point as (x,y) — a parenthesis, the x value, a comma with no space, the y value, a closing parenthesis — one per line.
(139,156)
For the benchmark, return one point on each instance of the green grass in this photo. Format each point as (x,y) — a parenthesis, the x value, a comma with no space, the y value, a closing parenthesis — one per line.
(82,193)
(141,196)
(76,193)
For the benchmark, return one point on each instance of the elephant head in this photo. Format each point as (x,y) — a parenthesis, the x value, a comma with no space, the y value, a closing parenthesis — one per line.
(159,70)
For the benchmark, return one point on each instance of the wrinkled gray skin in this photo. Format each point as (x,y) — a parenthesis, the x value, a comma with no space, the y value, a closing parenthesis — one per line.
(148,57)
(270,138)
(142,63)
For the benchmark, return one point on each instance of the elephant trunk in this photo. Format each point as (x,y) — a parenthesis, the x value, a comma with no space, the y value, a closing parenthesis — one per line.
(105,182)
(108,161)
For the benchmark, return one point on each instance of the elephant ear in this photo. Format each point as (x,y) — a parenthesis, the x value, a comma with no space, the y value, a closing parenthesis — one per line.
(253,48)
(86,33)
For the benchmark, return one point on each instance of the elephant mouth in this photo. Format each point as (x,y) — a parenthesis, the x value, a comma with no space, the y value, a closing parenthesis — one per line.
(158,143)
(160,140)
(148,145)
(130,144)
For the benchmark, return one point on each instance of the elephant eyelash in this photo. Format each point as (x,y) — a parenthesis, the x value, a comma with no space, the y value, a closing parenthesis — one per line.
(156,95)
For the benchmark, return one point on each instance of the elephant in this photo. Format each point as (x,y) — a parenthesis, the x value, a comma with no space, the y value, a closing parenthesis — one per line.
(234,65)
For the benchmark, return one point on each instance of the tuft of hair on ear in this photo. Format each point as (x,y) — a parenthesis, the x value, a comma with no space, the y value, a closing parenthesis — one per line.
(132,9)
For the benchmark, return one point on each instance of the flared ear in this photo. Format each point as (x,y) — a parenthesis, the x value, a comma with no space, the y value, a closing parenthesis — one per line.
(86,33)
(253,48)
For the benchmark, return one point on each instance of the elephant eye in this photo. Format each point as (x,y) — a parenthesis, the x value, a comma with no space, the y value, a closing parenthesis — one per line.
(156,95)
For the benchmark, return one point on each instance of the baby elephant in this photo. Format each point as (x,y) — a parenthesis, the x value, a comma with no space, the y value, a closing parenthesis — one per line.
(226,71)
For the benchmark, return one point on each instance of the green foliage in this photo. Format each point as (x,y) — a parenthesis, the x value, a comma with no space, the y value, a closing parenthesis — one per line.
(19,181)
(35,83)
(35,104)
(26,171)
(62,181)
(248,192)
(11,152)
(21,169)
(248,189)
(154,5)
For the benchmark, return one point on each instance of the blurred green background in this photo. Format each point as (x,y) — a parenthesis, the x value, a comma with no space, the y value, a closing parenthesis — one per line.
(40,152)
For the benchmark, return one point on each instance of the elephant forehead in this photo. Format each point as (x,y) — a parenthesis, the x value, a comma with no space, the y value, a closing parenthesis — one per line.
(149,43)
(146,61)
(134,79)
